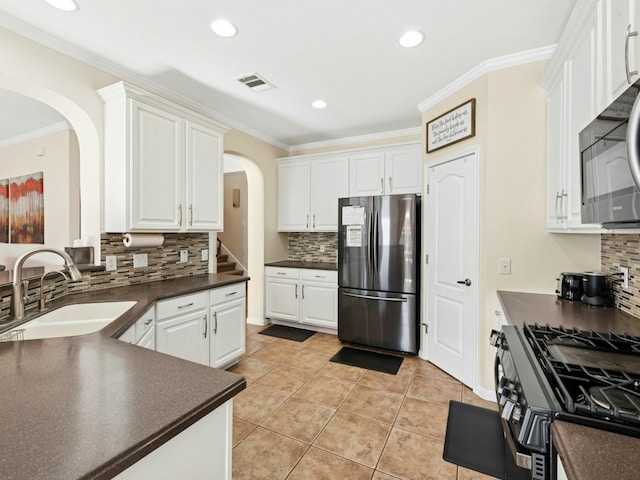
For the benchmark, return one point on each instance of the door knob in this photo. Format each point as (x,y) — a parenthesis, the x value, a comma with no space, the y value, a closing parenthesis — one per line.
(466,282)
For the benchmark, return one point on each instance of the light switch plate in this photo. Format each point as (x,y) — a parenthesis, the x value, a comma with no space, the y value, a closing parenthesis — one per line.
(111,263)
(504,266)
(184,256)
(140,260)
(204,254)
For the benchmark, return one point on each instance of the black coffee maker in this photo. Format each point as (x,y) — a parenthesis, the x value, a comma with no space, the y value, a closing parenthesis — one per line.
(597,289)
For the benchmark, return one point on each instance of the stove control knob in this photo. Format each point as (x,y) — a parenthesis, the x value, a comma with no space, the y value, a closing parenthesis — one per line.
(507,409)
(496,338)
(516,414)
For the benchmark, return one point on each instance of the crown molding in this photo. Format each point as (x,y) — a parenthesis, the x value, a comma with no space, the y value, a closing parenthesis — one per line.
(101,63)
(40,132)
(358,139)
(499,63)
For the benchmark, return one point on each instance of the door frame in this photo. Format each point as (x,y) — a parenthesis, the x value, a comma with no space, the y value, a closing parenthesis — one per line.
(473,276)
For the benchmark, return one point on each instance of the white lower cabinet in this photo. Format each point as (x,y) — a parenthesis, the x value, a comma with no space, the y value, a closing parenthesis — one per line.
(227,313)
(206,327)
(201,452)
(305,296)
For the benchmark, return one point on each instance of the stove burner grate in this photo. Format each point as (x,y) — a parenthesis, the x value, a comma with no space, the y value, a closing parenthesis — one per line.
(616,398)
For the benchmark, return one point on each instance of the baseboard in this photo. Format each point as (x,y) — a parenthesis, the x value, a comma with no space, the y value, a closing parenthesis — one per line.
(485,393)
(257,321)
(304,326)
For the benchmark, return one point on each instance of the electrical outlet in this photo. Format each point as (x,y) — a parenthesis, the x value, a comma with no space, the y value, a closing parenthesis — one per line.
(140,260)
(321,248)
(111,263)
(184,256)
(504,266)
(625,278)
(204,254)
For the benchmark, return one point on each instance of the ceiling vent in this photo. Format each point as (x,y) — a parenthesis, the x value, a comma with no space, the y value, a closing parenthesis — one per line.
(255,82)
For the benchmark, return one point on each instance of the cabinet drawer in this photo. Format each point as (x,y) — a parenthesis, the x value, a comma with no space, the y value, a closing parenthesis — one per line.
(281,272)
(226,294)
(144,323)
(180,305)
(330,276)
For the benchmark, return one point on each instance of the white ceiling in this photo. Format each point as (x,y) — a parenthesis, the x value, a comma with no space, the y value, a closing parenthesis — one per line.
(344,51)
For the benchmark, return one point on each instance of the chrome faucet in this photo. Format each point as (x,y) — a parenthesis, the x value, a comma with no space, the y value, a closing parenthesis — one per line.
(42,301)
(20,287)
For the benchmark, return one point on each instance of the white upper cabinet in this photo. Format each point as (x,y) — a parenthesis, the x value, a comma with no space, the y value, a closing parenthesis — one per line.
(388,171)
(621,45)
(308,192)
(163,164)
(572,82)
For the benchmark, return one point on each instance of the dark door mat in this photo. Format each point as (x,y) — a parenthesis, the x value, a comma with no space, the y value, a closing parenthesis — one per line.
(288,333)
(475,440)
(380,362)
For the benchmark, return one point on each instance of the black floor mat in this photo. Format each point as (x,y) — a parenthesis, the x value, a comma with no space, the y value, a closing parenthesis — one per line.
(474,440)
(379,362)
(288,333)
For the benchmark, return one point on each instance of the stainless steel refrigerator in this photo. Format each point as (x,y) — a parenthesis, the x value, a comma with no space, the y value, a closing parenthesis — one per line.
(379,271)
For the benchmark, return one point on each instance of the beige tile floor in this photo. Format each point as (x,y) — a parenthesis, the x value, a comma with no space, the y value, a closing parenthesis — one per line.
(302,417)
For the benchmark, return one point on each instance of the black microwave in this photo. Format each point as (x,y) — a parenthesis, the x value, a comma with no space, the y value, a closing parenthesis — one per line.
(610,164)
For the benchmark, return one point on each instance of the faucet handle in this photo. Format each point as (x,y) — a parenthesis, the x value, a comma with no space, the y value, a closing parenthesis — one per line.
(25,289)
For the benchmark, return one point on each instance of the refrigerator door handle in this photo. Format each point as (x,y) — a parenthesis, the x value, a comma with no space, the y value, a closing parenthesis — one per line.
(370,246)
(370,297)
(375,244)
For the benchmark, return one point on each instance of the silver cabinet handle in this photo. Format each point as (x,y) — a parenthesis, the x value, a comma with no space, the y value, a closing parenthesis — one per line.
(180,213)
(563,217)
(281,273)
(204,334)
(626,53)
(148,321)
(319,276)
(186,305)
(307,220)
(230,294)
(296,291)
(303,292)
(190,214)
(390,185)
(215,323)
(382,185)
(314,220)
(558,197)
(466,282)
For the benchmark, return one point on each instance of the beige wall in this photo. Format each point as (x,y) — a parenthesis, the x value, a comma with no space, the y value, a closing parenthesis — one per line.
(511,133)
(61,187)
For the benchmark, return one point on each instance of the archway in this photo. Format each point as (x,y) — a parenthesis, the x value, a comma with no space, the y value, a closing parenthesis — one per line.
(255,238)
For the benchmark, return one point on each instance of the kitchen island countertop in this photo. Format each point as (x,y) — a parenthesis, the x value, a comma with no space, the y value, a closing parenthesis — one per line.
(587,453)
(88,407)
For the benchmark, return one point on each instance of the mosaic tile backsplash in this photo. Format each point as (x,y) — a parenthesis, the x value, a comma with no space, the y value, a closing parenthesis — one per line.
(623,250)
(305,247)
(162,264)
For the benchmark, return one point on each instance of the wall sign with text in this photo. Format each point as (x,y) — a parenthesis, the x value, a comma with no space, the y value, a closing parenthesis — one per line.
(451,127)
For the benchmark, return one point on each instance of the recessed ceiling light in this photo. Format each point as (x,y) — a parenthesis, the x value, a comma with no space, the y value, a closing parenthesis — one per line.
(411,39)
(319,104)
(66,5)
(224,28)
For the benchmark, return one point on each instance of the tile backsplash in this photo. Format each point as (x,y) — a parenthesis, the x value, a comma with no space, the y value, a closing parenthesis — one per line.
(623,250)
(305,247)
(162,264)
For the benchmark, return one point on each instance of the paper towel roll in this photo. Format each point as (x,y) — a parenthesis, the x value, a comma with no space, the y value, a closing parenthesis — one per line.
(142,239)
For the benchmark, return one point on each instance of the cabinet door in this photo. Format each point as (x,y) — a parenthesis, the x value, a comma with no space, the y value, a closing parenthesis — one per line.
(320,304)
(148,340)
(619,17)
(185,336)
(329,182)
(293,196)
(555,152)
(227,341)
(366,174)
(157,169)
(402,170)
(204,178)
(281,299)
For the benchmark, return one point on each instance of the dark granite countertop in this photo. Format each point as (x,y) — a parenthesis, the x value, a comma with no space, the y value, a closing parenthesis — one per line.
(587,453)
(307,265)
(87,407)
(592,454)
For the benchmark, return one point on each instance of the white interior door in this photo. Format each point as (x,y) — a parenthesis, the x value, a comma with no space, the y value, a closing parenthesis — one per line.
(451,246)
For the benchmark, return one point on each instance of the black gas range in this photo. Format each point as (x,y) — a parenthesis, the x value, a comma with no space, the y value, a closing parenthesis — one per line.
(545,373)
